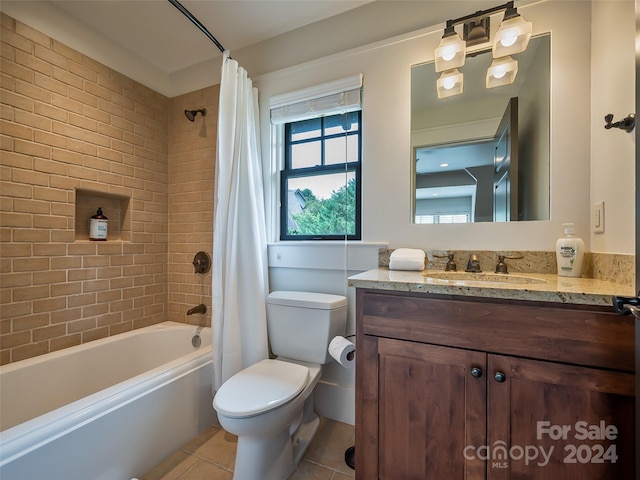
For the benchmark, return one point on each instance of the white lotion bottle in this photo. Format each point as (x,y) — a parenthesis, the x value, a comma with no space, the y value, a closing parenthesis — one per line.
(569,253)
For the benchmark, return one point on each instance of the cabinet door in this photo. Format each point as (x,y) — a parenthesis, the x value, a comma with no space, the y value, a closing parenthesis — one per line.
(420,406)
(549,420)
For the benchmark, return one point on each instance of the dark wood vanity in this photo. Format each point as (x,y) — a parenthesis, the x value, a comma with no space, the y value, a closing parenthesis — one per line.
(459,387)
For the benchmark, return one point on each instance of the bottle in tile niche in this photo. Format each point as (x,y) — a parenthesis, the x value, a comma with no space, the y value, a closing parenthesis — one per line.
(569,253)
(98,225)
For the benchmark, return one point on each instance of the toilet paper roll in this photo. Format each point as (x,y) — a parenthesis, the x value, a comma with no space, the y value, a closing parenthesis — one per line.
(343,351)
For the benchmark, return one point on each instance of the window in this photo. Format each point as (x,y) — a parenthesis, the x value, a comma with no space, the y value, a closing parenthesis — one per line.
(320,183)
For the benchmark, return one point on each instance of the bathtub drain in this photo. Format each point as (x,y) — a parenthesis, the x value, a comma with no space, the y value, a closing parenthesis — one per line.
(196,341)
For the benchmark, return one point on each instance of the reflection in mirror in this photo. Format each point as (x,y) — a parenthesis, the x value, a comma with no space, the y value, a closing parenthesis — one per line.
(483,155)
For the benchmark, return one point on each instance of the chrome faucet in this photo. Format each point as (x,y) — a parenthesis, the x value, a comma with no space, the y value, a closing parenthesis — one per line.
(202,308)
(473,265)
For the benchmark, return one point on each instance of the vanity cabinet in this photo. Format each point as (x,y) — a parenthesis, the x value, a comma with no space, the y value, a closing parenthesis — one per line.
(451,387)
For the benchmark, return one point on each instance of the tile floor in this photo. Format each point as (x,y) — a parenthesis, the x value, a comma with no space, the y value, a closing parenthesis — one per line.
(211,456)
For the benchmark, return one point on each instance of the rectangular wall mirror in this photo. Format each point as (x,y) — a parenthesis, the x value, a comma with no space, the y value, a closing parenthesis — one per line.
(482,155)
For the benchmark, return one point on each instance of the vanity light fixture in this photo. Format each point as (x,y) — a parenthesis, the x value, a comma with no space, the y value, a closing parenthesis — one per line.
(512,37)
(502,71)
(450,83)
(451,52)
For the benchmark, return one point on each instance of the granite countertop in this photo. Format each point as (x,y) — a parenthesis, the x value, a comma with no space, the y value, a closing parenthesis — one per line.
(530,286)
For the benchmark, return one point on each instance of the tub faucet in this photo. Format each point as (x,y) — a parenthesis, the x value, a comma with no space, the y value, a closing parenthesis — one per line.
(197,309)
(473,265)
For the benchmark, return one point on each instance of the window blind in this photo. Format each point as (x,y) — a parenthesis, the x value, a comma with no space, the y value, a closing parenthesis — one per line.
(339,96)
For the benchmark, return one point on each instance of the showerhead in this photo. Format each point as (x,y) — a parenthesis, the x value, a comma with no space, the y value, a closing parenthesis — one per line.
(191,114)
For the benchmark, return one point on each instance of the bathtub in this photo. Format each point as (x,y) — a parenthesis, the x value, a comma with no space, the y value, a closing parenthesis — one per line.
(110,409)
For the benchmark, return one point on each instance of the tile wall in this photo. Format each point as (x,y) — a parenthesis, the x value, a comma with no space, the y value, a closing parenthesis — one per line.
(75,133)
(191,176)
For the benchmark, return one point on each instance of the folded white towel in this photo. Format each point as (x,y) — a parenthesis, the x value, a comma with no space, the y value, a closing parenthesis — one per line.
(407,259)
(407,253)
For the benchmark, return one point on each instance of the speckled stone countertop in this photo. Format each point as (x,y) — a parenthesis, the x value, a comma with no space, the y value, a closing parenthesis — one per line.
(531,286)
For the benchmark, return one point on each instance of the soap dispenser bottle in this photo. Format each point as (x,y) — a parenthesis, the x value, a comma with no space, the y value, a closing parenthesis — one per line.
(569,253)
(98,225)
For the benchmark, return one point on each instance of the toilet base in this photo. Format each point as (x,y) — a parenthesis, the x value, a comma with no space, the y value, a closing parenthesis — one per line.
(302,438)
(282,453)
(275,457)
(258,454)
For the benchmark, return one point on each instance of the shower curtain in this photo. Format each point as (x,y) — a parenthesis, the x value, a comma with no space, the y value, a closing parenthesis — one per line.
(240,279)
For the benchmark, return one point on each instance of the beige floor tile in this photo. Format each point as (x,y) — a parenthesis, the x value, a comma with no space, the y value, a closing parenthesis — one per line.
(329,444)
(211,456)
(311,471)
(192,445)
(340,476)
(217,446)
(207,471)
(171,468)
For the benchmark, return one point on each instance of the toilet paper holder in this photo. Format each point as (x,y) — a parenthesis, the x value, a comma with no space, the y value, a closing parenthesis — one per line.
(343,351)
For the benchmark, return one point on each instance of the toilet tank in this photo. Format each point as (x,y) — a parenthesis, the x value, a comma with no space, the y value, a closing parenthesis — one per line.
(301,324)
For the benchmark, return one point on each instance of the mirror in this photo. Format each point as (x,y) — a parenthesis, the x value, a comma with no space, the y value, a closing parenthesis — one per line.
(483,155)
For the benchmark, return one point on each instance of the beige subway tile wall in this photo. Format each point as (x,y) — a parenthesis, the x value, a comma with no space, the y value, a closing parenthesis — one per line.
(74,136)
(192,149)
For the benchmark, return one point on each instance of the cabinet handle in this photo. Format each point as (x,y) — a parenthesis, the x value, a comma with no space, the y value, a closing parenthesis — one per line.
(476,372)
(500,377)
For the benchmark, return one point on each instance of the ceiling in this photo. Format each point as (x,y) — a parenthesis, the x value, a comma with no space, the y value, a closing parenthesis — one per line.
(152,42)
(158,32)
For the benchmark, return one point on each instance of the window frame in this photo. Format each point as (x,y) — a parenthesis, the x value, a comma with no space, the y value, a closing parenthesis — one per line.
(288,172)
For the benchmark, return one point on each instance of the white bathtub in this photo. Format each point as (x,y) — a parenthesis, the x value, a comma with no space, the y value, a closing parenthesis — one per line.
(106,410)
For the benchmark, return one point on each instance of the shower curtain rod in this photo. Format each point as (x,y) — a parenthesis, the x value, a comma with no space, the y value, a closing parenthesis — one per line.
(197,23)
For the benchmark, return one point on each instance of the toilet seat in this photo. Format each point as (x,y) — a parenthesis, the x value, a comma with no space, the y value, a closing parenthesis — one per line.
(259,388)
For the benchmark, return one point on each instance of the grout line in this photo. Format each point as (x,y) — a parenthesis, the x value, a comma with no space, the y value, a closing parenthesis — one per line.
(207,460)
(187,471)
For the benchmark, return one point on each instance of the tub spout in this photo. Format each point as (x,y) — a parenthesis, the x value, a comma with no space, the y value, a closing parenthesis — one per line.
(198,309)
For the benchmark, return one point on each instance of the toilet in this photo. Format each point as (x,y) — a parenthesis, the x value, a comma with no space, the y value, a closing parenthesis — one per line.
(269,405)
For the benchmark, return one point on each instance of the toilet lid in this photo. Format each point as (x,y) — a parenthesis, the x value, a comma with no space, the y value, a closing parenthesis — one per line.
(261,387)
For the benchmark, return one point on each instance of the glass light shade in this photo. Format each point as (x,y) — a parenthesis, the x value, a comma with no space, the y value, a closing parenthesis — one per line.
(502,71)
(450,52)
(450,83)
(512,37)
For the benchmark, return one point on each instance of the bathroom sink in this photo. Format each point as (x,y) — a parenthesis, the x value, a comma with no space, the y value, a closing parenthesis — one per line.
(483,277)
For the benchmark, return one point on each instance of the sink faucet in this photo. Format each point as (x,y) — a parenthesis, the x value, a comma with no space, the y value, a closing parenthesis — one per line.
(197,309)
(473,265)
(501,267)
(451,264)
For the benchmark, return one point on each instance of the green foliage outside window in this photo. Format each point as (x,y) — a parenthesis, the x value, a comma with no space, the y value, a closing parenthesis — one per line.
(334,215)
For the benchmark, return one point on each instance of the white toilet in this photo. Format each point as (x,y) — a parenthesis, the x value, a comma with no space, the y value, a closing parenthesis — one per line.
(269,405)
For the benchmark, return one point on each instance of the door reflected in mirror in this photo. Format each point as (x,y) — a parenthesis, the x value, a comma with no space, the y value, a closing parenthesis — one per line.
(483,155)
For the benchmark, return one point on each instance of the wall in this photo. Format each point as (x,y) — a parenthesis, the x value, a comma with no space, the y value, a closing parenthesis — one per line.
(191,175)
(572,119)
(613,151)
(387,153)
(69,124)
(326,271)
(386,119)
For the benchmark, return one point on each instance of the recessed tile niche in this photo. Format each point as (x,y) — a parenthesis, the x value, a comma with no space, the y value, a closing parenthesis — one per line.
(114,207)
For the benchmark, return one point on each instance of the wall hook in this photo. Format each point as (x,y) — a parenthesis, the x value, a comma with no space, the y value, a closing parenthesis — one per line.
(626,124)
